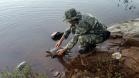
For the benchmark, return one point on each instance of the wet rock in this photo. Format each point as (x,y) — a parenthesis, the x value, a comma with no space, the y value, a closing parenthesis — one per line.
(129,31)
(130,27)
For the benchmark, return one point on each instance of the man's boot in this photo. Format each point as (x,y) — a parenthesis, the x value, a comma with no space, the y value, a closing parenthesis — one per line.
(87,49)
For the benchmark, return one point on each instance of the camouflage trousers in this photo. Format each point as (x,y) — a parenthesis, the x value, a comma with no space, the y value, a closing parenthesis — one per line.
(93,39)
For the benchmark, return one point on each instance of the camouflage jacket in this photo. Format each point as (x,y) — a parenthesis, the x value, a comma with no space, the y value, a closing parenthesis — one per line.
(87,25)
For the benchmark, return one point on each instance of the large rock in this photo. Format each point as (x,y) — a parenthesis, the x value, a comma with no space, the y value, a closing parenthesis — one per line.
(128,30)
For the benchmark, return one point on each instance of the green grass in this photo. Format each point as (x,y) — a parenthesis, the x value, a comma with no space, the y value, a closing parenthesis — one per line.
(26,72)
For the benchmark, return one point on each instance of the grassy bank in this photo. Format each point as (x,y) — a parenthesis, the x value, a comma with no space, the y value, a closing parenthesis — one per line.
(25,72)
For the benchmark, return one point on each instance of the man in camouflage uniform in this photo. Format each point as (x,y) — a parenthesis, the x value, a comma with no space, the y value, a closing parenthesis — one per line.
(87,30)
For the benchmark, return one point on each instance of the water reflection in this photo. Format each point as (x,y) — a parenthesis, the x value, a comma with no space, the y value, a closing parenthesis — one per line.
(128,4)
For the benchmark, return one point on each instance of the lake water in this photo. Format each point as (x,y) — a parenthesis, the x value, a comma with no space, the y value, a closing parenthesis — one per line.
(26,25)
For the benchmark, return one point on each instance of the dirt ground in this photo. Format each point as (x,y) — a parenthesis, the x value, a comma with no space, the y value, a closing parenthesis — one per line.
(100,64)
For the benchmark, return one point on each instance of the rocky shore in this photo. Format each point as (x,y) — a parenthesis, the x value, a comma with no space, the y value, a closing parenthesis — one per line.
(118,57)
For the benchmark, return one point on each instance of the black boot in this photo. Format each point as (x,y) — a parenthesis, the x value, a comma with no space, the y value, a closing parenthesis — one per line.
(91,47)
(83,50)
(87,49)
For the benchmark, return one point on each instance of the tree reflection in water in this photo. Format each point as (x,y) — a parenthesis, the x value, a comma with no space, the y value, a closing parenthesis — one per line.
(128,4)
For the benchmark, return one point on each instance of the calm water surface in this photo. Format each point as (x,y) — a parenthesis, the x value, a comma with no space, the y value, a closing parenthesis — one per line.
(25,26)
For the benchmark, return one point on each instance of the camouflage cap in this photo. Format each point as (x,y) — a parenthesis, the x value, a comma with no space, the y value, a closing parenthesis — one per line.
(71,14)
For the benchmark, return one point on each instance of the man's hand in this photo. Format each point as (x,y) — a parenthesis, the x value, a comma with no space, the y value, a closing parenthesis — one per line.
(61,51)
(58,44)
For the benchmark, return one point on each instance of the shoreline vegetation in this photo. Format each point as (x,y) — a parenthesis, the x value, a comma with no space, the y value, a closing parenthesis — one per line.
(23,70)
